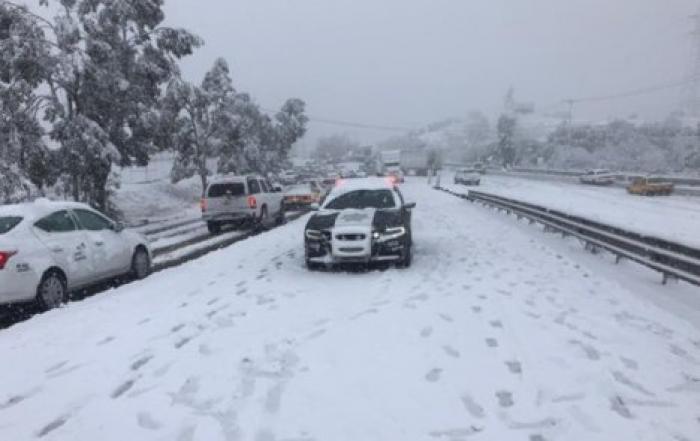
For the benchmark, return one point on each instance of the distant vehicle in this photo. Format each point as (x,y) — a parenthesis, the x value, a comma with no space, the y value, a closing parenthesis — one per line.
(644,187)
(597,177)
(480,168)
(288,177)
(390,161)
(48,249)
(241,201)
(361,221)
(303,196)
(467,177)
(397,176)
(414,162)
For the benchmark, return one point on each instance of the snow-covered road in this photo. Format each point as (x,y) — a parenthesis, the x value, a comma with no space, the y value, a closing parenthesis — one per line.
(494,333)
(674,218)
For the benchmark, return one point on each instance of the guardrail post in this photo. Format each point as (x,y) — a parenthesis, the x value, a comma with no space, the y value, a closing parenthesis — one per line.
(618,258)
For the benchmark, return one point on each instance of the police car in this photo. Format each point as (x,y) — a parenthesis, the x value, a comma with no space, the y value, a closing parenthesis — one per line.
(361,221)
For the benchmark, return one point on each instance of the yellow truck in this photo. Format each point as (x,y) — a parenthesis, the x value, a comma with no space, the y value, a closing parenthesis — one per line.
(645,187)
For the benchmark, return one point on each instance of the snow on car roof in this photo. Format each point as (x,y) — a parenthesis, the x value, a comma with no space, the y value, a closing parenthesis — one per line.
(38,208)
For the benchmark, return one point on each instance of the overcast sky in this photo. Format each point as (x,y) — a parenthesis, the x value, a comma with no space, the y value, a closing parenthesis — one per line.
(411,62)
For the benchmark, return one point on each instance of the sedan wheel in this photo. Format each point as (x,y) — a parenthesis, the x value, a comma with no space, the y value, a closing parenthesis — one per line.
(140,264)
(52,291)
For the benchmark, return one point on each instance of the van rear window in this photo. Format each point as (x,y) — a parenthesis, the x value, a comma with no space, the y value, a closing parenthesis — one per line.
(227,189)
(7,223)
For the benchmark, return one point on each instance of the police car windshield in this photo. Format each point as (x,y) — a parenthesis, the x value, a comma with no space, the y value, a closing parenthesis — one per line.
(363,199)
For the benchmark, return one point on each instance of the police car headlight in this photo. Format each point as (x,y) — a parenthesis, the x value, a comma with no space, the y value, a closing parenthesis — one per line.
(313,234)
(392,233)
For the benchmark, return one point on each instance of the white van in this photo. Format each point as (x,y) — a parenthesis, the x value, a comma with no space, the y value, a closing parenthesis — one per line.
(242,201)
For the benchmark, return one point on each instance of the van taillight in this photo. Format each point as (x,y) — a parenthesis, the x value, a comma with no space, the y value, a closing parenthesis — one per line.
(252,202)
(4,257)
(203,204)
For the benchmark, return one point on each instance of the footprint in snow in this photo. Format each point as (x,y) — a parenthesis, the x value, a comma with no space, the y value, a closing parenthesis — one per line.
(625,380)
(105,340)
(474,408)
(456,434)
(146,421)
(426,332)
(56,367)
(545,423)
(492,342)
(364,313)
(182,342)
(123,388)
(141,362)
(629,363)
(434,375)
(618,406)
(514,367)
(53,425)
(452,352)
(496,323)
(476,309)
(316,334)
(591,352)
(505,398)
(446,317)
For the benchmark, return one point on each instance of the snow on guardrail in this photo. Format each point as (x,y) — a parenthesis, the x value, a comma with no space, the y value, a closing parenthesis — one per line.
(672,260)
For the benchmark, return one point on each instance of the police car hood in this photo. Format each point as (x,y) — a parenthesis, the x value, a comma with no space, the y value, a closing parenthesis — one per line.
(365,218)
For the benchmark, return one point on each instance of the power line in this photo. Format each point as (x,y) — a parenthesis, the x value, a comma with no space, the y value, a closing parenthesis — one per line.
(568,104)
(632,93)
(356,125)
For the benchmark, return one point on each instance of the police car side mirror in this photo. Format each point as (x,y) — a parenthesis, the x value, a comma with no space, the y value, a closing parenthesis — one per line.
(117,227)
(410,206)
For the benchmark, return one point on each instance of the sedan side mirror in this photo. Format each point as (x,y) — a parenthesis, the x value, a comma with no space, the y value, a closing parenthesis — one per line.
(315,207)
(410,206)
(118,227)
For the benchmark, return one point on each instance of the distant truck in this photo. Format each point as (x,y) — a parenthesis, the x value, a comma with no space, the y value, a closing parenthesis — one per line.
(644,187)
(390,160)
(414,162)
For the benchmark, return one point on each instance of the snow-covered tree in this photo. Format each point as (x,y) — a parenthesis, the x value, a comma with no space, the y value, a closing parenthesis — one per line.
(506,149)
(333,148)
(198,116)
(103,63)
(25,62)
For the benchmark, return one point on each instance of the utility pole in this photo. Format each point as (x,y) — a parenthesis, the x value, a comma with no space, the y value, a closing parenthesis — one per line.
(690,98)
(569,118)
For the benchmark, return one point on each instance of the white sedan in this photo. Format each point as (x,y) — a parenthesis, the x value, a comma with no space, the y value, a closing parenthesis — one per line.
(48,249)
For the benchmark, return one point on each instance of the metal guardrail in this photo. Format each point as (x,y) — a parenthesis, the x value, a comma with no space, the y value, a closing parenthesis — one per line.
(671,259)
(620,176)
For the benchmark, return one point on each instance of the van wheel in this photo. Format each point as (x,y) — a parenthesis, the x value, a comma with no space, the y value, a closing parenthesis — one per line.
(214,227)
(140,264)
(281,216)
(52,291)
(263,221)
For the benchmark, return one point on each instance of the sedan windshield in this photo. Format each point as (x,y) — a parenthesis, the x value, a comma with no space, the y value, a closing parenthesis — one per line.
(8,223)
(363,199)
